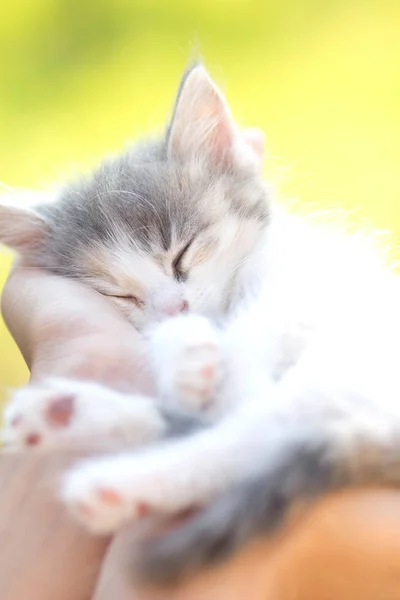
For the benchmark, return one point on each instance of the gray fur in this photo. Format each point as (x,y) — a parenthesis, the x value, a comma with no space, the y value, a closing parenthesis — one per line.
(179,423)
(310,463)
(257,507)
(143,194)
(144,198)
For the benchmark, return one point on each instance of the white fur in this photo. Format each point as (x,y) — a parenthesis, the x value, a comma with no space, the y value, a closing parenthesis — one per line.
(97,413)
(313,340)
(187,362)
(315,344)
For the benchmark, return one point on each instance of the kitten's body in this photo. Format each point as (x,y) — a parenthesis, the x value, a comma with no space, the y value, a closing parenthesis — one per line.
(288,348)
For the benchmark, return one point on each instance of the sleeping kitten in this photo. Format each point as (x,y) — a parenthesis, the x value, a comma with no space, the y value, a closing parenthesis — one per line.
(274,341)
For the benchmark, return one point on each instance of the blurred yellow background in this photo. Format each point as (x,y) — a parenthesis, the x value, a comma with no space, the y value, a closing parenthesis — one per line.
(322,78)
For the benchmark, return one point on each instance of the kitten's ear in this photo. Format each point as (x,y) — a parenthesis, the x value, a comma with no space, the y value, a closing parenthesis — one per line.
(22,229)
(202,125)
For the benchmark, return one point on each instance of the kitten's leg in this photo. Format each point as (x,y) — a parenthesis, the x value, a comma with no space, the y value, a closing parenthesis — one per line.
(187,362)
(61,411)
(322,429)
(257,506)
(169,478)
(296,453)
(338,437)
(325,426)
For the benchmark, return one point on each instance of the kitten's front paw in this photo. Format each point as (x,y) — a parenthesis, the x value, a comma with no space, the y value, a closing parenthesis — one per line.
(61,411)
(105,494)
(188,361)
(37,415)
(95,500)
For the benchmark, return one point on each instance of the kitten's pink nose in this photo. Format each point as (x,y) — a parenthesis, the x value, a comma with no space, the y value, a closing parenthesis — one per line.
(174,308)
(169,302)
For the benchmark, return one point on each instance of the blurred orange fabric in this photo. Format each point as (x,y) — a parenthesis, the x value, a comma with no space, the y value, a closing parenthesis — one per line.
(346,547)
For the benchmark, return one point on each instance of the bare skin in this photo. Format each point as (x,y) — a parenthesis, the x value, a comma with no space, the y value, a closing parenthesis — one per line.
(62,329)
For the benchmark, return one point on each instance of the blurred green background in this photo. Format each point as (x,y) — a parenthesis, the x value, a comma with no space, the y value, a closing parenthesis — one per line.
(322,78)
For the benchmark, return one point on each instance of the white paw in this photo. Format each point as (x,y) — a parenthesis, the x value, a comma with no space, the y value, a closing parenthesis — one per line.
(64,411)
(188,361)
(38,414)
(107,493)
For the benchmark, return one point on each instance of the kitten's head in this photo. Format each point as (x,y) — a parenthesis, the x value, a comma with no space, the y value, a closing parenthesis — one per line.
(167,226)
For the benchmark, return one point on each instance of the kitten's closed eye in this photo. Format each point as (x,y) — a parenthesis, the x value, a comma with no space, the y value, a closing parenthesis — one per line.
(180,273)
(189,257)
(128,298)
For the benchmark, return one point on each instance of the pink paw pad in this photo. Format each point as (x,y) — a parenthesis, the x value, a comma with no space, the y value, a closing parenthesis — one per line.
(208,372)
(109,496)
(60,412)
(33,439)
(142,509)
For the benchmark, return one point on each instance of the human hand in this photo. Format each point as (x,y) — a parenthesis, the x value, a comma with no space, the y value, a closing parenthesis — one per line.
(66,329)
(63,329)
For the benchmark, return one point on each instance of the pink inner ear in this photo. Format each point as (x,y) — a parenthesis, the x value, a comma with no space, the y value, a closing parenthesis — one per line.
(20,229)
(218,127)
(202,123)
